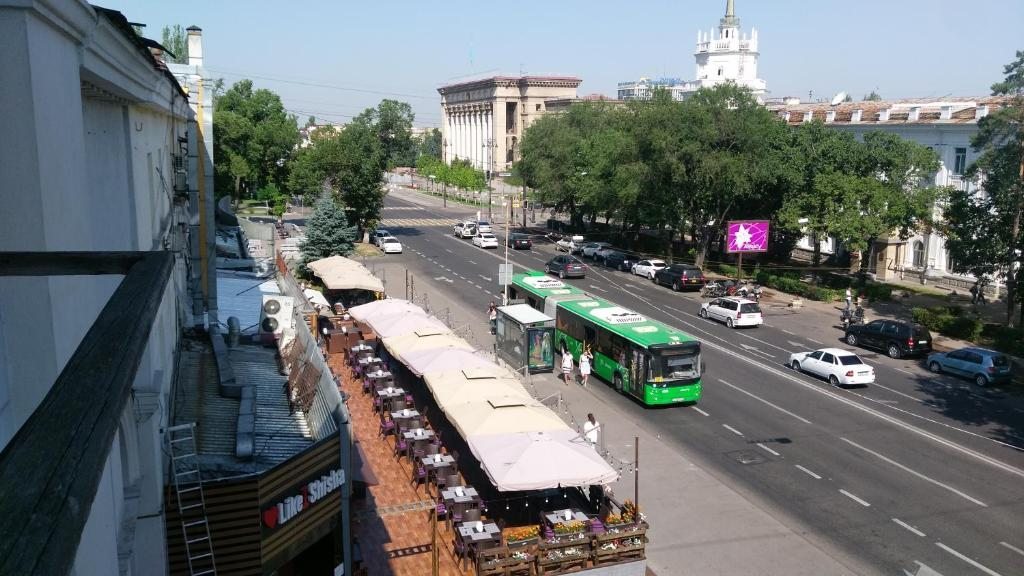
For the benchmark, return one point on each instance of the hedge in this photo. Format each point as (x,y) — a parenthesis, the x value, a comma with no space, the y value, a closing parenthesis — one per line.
(949,321)
(793,285)
(1005,339)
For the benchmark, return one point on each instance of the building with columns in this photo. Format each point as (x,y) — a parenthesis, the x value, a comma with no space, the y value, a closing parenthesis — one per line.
(729,57)
(482,121)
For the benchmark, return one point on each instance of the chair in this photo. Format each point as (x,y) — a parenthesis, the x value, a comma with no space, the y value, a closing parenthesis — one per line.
(401,445)
(419,449)
(456,512)
(459,547)
(409,399)
(548,533)
(452,479)
(378,404)
(419,475)
(440,510)
(387,426)
(596,526)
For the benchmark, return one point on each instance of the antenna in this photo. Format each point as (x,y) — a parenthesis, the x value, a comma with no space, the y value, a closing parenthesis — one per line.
(838,98)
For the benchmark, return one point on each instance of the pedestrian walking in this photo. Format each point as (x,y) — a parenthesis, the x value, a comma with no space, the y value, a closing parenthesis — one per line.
(590,428)
(566,364)
(849,298)
(585,359)
(492,317)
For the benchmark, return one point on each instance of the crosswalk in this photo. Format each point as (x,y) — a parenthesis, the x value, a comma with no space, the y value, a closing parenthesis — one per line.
(416,222)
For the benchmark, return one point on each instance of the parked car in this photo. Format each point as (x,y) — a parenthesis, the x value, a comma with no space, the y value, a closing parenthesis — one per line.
(566,266)
(379,235)
(391,245)
(619,260)
(591,248)
(983,366)
(735,312)
(897,337)
(485,240)
(519,241)
(484,226)
(839,367)
(603,253)
(457,229)
(469,231)
(680,277)
(647,268)
(570,244)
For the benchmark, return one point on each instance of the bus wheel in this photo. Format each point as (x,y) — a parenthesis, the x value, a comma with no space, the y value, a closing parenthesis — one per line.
(618,383)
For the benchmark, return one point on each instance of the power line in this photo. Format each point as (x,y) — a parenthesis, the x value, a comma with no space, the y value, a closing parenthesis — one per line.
(320,85)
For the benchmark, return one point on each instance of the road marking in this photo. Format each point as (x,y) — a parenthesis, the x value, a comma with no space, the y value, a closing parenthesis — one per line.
(968,560)
(1011,547)
(489,280)
(755,349)
(444,279)
(756,397)
(797,345)
(733,430)
(448,251)
(788,332)
(699,411)
(768,450)
(907,372)
(597,288)
(908,527)
(915,399)
(763,342)
(477,285)
(471,262)
(816,342)
(923,570)
(677,310)
(808,472)
(853,497)
(914,472)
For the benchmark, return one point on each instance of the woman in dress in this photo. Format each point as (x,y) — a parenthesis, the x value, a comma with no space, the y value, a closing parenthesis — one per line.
(566,364)
(585,359)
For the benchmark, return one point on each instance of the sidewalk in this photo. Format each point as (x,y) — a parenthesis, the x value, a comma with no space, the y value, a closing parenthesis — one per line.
(706,528)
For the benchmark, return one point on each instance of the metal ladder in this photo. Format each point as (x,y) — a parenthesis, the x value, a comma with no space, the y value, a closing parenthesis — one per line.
(188,486)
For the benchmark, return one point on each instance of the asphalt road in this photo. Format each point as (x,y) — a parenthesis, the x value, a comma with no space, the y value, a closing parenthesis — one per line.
(916,474)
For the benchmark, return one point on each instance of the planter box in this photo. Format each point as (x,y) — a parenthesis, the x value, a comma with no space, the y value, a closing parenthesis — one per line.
(516,544)
(563,562)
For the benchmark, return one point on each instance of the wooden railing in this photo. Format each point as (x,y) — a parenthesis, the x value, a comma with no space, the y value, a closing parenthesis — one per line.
(50,470)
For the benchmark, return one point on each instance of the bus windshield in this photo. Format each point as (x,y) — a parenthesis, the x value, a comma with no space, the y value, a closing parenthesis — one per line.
(670,364)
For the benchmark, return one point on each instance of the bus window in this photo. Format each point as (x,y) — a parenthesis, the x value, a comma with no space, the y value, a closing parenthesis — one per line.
(676,364)
(589,335)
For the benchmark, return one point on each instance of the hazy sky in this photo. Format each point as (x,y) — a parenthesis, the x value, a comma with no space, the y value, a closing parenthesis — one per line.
(333,58)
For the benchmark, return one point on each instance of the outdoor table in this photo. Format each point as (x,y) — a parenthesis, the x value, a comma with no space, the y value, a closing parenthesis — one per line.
(450,495)
(361,348)
(424,434)
(558,516)
(473,538)
(405,414)
(386,395)
(378,375)
(433,465)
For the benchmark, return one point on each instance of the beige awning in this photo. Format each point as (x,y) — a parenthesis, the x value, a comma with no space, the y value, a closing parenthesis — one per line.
(428,339)
(503,415)
(340,273)
(473,385)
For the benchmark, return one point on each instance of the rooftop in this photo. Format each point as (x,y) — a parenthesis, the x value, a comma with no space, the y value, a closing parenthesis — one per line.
(512,81)
(946,110)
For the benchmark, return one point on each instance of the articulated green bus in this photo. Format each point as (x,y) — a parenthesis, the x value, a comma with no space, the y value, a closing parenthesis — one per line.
(644,358)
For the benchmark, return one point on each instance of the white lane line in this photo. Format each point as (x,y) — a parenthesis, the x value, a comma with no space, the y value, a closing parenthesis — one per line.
(599,289)
(808,472)
(816,342)
(475,284)
(699,411)
(854,497)
(908,527)
(768,450)
(677,310)
(471,262)
(733,430)
(448,251)
(914,472)
(907,372)
(915,399)
(756,397)
(984,569)
(1011,547)
(788,332)
(765,343)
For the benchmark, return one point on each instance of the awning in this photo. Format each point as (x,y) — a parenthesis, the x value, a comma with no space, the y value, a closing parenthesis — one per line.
(316,297)
(380,308)
(340,273)
(502,415)
(399,346)
(524,314)
(473,385)
(405,323)
(540,460)
(428,360)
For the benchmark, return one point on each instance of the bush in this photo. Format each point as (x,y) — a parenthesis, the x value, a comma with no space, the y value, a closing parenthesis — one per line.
(949,321)
(823,294)
(728,270)
(877,292)
(963,328)
(1004,339)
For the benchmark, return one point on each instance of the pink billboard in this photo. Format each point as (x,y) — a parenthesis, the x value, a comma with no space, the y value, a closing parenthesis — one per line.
(747,236)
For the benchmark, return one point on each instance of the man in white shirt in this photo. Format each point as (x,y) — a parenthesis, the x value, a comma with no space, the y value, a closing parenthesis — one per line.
(590,428)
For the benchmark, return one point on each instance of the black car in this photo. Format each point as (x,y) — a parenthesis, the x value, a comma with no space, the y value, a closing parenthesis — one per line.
(680,277)
(620,261)
(897,337)
(519,241)
(566,266)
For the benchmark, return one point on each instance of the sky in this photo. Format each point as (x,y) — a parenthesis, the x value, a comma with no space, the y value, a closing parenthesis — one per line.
(334,58)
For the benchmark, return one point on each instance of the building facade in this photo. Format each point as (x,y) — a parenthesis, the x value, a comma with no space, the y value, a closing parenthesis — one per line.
(99,155)
(946,126)
(731,56)
(482,121)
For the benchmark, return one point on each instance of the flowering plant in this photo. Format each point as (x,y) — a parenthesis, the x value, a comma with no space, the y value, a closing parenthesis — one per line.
(613,519)
(630,511)
(570,527)
(522,533)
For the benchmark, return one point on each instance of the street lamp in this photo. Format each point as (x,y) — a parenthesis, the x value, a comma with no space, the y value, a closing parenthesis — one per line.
(488,153)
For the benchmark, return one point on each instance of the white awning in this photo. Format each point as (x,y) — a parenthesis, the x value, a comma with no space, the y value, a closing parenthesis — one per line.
(340,273)
(525,314)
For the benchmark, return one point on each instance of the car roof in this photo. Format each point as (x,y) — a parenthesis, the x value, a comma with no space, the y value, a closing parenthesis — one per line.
(836,351)
(655,261)
(738,299)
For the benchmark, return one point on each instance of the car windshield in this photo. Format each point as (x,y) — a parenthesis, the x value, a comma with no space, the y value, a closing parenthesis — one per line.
(487,236)
(682,363)
(573,261)
(851,360)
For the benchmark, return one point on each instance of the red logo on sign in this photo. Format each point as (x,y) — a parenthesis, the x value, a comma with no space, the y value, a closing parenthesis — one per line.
(270,517)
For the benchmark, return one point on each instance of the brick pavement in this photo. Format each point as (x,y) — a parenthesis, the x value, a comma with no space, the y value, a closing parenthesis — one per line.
(393,523)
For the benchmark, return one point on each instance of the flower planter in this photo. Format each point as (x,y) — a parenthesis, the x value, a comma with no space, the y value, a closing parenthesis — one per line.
(516,544)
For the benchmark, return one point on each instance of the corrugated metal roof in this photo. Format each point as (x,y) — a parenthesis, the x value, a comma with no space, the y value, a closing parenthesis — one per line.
(197,399)
(241,295)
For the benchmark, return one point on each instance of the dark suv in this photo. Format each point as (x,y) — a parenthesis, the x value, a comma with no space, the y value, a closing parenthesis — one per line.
(519,241)
(680,277)
(898,338)
(619,261)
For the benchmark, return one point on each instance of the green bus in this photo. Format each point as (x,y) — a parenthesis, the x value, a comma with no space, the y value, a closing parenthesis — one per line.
(643,358)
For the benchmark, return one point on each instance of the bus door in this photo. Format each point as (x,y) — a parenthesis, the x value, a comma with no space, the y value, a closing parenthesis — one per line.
(637,371)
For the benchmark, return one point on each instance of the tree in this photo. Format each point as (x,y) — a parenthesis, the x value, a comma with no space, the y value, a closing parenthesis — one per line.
(872,97)
(848,98)
(253,137)
(175,40)
(391,121)
(327,232)
(984,229)
(311,121)
(430,144)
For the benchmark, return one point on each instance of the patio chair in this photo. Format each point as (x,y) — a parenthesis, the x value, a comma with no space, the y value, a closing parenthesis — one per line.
(401,446)
(419,475)
(440,511)
(452,479)
(456,512)
(596,526)
(378,404)
(548,533)
(366,385)
(459,547)
(419,449)
(387,426)
(431,449)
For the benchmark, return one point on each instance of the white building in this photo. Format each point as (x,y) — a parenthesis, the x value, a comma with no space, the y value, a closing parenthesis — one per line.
(945,125)
(731,56)
(100,153)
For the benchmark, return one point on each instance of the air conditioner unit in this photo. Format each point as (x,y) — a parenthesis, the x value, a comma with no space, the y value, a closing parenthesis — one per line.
(275,318)
(181,183)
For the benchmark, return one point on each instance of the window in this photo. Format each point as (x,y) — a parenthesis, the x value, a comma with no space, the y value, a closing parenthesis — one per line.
(918,254)
(538,108)
(720,70)
(815,355)
(960,161)
(891,329)
(973,358)
(828,358)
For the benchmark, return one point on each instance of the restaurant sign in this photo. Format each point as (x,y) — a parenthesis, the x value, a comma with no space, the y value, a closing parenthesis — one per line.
(747,236)
(301,498)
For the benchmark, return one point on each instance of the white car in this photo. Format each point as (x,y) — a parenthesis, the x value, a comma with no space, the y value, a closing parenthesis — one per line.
(483,226)
(839,367)
(735,312)
(457,229)
(379,235)
(647,268)
(391,245)
(570,244)
(591,248)
(469,231)
(485,240)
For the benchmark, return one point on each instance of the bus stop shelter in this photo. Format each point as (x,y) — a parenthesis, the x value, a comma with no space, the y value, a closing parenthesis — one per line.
(525,338)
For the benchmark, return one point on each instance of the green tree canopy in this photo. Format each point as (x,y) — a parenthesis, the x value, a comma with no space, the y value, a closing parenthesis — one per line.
(984,229)
(327,232)
(430,144)
(391,122)
(253,137)
(175,40)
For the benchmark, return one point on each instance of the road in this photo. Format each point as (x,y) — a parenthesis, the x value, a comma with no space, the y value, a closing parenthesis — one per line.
(916,474)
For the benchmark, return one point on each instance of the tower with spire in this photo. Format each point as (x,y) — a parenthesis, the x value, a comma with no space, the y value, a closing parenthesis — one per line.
(728,56)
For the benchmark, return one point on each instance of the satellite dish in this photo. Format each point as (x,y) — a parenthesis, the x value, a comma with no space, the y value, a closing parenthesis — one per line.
(838,98)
